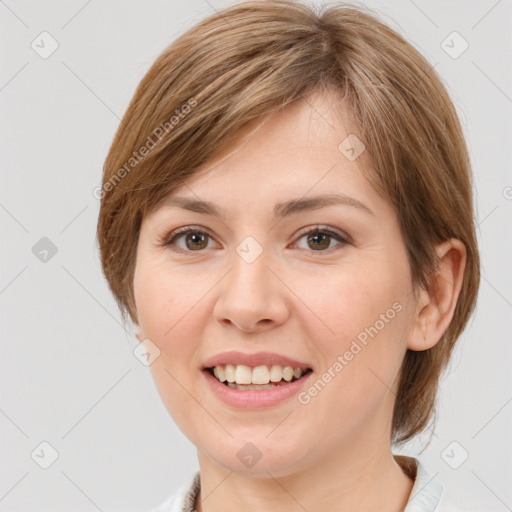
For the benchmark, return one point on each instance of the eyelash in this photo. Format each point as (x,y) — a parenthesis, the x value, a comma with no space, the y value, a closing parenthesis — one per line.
(170,239)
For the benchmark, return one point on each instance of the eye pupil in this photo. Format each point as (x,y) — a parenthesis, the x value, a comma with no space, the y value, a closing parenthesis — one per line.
(323,237)
(196,238)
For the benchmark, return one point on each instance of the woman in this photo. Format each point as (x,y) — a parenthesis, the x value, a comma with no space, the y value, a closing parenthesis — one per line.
(287,218)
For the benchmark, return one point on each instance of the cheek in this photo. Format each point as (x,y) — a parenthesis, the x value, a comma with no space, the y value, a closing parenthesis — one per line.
(166,313)
(361,360)
(352,299)
(161,299)
(171,313)
(366,320)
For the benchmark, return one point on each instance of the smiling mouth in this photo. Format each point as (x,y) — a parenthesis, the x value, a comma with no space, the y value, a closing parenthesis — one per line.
(259,378)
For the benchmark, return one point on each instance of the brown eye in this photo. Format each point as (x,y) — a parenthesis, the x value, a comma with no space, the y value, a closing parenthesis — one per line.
(194,239)
(319,241)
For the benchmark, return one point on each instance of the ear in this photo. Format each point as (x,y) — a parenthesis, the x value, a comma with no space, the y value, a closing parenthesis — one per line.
(435,306)
(138,333)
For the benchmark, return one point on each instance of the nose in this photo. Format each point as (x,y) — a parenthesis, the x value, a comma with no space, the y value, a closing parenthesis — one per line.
(251,297)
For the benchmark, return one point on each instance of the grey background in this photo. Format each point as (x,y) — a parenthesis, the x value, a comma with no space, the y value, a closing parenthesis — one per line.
(68,374)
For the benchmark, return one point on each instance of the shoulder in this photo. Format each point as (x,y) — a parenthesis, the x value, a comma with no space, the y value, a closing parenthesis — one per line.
(183,498)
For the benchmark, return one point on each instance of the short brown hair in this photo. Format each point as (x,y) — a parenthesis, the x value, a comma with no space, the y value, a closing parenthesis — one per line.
(247,61)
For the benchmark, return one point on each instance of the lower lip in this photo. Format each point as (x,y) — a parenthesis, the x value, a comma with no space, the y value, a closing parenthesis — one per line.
(254,399)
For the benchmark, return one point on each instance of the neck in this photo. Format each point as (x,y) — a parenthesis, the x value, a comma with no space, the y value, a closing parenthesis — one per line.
(347,483)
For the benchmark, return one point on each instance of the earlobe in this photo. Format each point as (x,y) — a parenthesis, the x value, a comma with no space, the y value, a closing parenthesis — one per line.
(436,306)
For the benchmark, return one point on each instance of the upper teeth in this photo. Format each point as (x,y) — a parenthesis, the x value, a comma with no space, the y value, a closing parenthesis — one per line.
(243,374)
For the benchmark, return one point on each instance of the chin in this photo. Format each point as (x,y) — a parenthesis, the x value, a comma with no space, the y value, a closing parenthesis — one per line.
(257,458)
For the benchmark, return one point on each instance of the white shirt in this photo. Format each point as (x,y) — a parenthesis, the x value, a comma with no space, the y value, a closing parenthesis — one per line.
(427,495)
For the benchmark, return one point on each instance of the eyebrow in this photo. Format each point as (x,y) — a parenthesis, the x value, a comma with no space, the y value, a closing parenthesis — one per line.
(281,210)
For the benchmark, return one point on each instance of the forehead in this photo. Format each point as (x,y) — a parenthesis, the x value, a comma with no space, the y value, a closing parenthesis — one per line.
(296,159)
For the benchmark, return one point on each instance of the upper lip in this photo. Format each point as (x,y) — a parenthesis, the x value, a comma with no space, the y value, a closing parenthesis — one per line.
(256,359)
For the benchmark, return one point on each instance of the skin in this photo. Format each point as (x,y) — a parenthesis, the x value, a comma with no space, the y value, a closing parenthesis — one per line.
(333,453)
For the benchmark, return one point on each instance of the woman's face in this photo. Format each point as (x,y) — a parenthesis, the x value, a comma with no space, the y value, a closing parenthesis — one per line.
(250,279)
